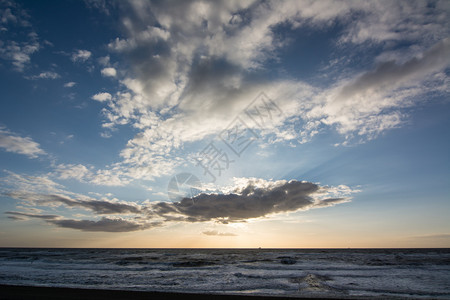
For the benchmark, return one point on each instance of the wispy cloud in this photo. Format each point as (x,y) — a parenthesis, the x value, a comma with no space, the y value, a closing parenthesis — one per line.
(23,215)
(105,224)
(80,55)
(11,142)
(30,184)
(46,75)
(43,192)
(102,5)
(443,236)
(100,207)
(371,103)
(69,84)
(68,171)
(216,233)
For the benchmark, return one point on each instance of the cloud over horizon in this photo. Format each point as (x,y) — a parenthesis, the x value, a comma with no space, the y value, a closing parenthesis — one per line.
(250,202)
(247,198)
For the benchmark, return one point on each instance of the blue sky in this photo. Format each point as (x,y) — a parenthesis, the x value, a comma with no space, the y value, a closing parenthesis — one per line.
(303,123)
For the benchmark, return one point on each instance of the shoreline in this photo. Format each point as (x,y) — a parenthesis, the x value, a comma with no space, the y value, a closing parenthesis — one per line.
(15,292)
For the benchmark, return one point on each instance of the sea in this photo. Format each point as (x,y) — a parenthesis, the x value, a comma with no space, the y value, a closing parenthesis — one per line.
(332,273)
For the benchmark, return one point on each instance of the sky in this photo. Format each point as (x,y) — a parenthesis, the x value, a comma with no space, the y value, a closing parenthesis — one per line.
(224,124)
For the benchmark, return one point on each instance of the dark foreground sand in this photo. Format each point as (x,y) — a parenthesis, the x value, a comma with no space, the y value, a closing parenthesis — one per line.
(28,292)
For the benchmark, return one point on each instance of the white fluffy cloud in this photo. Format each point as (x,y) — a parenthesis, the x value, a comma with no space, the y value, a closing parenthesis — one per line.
(109,72)
(12,142)
(101,97)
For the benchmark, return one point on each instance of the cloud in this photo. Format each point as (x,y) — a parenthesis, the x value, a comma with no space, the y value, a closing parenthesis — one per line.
(153,151)
(31,184)
(101,97)
(69,84)
(443,236)
(42,191)
(392,21)
(389,75)
(102,5)
(11,142)
(100,207)
(105,135)
(68,171)
(109,72)
(216,233)
(12,13)
(258,198)
(31,215)
(7,16)
(196,65)
(371,103)
(115,177)
(18,53)
(46,75)
(16,218)
(18,46)
(31,188)
(246,198)
(103,225)
(81,55)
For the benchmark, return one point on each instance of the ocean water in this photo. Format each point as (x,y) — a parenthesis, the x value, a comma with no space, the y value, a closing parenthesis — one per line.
(412,273)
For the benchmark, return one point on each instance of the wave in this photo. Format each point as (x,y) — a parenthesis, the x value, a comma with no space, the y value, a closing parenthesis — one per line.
(290,272)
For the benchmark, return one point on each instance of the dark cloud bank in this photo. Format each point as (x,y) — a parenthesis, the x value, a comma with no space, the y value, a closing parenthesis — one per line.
(250,202)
